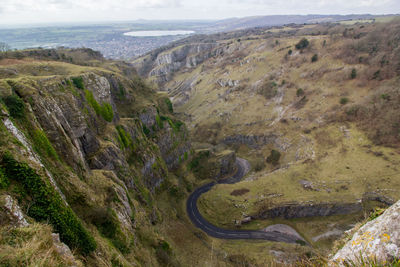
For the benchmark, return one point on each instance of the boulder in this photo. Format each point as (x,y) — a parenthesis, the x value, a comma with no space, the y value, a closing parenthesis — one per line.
(378,239)
(10,212)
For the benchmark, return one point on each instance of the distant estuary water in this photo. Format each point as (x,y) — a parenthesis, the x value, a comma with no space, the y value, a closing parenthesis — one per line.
(156,33)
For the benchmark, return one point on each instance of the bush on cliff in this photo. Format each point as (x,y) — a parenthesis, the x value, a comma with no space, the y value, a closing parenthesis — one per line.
(15,106)
(47,205)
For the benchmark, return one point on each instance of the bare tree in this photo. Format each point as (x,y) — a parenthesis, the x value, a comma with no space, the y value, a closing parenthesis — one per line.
(4,47)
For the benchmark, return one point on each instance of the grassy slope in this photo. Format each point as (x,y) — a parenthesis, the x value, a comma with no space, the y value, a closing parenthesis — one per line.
(343,166)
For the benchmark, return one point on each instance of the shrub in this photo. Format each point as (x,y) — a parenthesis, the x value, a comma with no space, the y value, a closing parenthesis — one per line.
(123,137)
(344,100)
(47,205)
(146,130)
(268,90)
(121,91)
(105,110)
(4,182)
(314,58)
(274,157)
(299,92)
(15,106)
(92,101)
(290,52)
(376,75)
(194,164)
(259,164)
(303,43)
(353,74)
(385,97)
(78,82)
(107,223)
(169,105)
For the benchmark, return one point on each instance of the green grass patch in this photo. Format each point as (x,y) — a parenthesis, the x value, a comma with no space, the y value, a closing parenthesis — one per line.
(42,144)
(46,205)
(104,110)
(169,105)
(159,121)
(123,137)
(15,106)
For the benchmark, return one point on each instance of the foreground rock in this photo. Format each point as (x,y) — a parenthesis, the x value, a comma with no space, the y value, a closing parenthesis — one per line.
(377,240)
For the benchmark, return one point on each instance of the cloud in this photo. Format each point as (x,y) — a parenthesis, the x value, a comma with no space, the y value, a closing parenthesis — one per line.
(37,11)
(42,5)
(324,6)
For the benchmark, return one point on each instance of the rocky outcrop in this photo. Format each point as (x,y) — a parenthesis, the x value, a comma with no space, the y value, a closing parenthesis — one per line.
(256,141)
(84,132)
(227,162)
(10,212)
(63,250)
(291,211)
(283,229)
(227,83)
(378,240)
(185,56)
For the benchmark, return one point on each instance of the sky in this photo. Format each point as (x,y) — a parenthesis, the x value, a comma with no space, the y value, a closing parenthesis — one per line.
(52,11)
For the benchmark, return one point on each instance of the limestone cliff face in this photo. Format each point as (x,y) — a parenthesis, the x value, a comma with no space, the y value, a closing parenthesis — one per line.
(166,63)
(104,140)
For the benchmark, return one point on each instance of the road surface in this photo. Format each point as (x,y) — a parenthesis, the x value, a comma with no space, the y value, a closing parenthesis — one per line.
(214,231)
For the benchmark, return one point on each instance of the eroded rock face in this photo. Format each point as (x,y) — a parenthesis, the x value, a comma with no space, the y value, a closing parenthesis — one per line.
(379,239)
(284,229)
(186,56)
(63,250)
(256,141)
(227,162)
(10,212)
(310,210)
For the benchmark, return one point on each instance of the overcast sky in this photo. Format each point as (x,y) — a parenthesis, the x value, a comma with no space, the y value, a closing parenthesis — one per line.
(48,11)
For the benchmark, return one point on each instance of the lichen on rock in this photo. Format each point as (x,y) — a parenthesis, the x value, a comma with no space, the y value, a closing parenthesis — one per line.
(378,240)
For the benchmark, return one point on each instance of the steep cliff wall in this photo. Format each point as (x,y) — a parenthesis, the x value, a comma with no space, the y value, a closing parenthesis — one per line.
(170,61)
(99,144)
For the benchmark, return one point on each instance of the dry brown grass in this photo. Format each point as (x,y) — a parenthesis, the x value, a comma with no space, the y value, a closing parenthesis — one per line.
(30,246)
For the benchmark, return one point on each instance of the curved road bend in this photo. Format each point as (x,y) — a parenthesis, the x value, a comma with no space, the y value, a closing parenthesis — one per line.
(214,231)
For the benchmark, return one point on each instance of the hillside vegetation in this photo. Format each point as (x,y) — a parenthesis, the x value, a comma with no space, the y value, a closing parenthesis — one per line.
(313,108)
(90,152)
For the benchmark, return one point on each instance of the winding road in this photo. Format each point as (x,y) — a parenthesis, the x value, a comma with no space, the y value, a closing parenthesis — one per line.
(214,231)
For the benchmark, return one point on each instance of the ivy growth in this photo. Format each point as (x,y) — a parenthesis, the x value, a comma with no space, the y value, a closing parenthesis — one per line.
(47,205)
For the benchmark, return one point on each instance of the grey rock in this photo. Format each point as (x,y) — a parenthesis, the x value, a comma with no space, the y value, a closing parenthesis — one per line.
(379,239)
(295,210)
(284,229)
(63,250)
(10,212)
